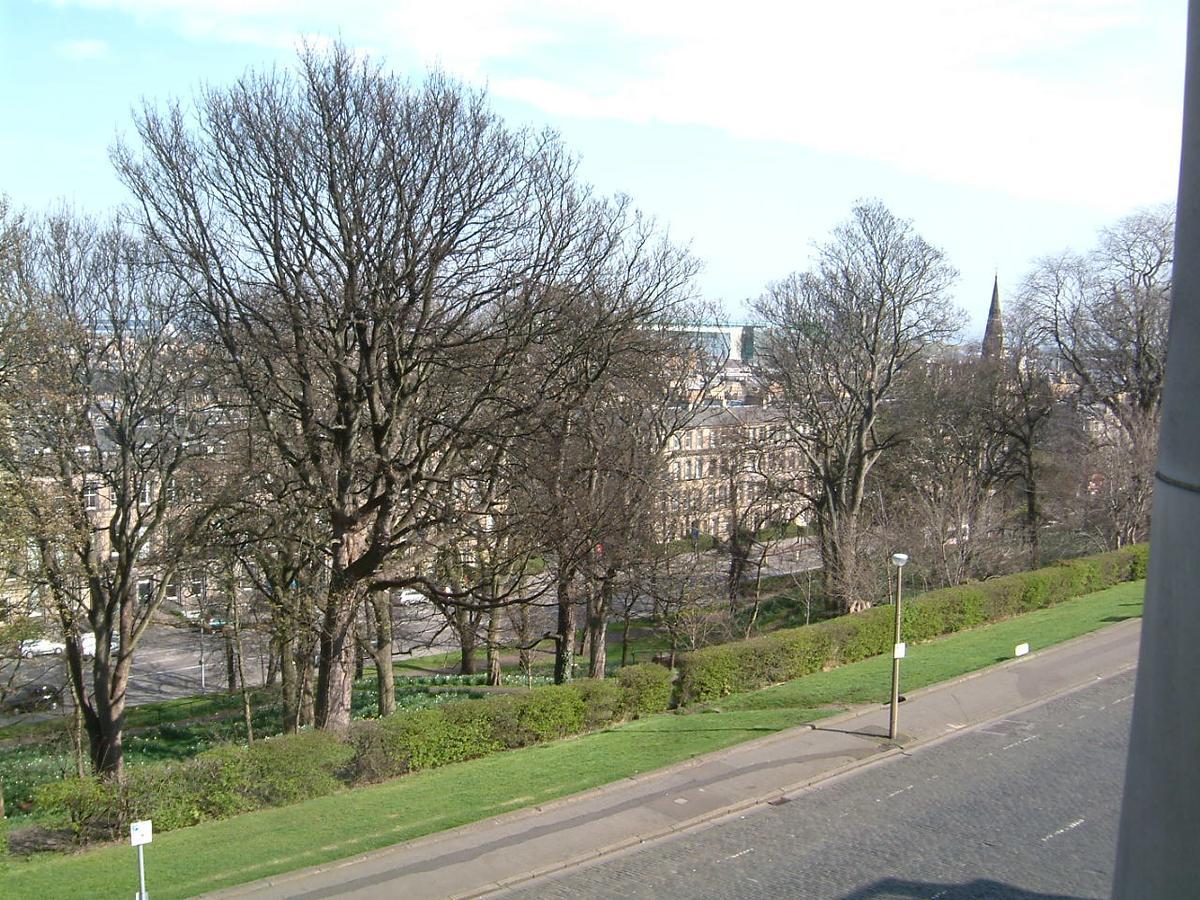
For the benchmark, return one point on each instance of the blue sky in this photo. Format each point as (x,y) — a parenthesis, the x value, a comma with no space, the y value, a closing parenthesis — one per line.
(1005,129)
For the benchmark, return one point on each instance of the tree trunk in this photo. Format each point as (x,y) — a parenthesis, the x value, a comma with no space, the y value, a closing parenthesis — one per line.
(104,715)
(286,645)
(1033,514)
(468,643)
(524,656)
(625,637)
(381,652)
(307,705)
(273,661)
(335,672)
(598,625)
(564,640)
(231,668)
(494,675)
(106,742)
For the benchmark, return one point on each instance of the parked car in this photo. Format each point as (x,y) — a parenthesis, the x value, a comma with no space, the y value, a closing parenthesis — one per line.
(32,698)
(42,647)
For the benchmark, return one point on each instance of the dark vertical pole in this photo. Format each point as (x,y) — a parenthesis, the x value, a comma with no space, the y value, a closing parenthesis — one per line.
(1158,854)
(894,720)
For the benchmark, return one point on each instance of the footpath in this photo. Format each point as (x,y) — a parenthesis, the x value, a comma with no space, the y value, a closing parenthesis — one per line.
(488,856)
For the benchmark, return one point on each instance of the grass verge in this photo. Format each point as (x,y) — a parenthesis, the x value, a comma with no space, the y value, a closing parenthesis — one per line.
(219,854)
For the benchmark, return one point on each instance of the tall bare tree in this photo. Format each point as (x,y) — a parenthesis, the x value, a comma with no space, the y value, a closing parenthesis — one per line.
(1105,314)
(106,449)
(837,339)
(378,262)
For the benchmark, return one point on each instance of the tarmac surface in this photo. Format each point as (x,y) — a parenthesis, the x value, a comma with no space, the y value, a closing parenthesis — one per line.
(505,852)
(1019,808)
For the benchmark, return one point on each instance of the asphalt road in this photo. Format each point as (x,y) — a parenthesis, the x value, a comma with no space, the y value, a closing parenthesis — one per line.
(1024,808)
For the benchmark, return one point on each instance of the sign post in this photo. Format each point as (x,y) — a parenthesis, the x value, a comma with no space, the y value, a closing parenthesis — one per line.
(140,834)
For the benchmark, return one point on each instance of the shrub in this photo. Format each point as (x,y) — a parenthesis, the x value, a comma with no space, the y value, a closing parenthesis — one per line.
(426,738)
(373,759)
(647,688)
(88,806)
(791,653)
(172,795)
(543,714)
(604,701)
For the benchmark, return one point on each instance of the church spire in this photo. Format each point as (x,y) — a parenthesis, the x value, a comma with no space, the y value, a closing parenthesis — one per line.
(993,334)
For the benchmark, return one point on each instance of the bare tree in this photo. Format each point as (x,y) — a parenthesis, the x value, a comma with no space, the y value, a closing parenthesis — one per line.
(941,484)
(378,261)
(106,452)
(1106,314)
(837,339)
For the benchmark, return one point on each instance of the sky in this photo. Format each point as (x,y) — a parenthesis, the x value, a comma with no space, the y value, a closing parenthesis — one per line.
(1006,130)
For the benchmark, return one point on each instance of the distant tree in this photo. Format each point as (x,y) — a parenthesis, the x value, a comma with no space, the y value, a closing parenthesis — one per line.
(837,338)
(755,482)
(1106,314)
(940,484)
(106,452)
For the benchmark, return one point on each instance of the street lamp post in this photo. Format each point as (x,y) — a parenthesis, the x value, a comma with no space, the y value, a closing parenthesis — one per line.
(898,560)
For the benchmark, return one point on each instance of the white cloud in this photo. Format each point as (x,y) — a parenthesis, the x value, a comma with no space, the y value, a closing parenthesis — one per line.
(81,50)
(1044,98)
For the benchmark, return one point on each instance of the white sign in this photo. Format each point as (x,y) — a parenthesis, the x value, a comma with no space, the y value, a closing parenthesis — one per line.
(140,833)
(898,651)
(1022,649)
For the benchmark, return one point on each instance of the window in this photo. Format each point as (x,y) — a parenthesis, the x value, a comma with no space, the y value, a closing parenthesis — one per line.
(91,495)
(145,591)
(147,494)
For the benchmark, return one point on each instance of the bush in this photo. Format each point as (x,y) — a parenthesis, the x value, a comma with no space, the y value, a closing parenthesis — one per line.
(784,655)
(88,806)
(604,701)
(372,760)
(647,688)
(542,714)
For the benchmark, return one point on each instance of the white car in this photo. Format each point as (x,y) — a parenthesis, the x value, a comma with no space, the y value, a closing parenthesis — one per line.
(43,647)
(47,647)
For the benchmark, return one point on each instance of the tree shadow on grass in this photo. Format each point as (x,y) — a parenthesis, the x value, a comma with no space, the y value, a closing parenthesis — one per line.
(979,889)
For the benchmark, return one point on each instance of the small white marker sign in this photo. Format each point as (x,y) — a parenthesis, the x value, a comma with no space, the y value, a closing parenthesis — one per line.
(899,650)
(140,833)
(1022,649)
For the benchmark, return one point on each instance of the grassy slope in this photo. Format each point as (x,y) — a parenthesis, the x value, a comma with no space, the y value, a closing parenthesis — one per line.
(256,845)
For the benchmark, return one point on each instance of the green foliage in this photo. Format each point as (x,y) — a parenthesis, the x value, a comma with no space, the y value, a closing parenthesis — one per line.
(543,714)
(603,701)
(88,806)
(275,771)
(724,669)
(647,688)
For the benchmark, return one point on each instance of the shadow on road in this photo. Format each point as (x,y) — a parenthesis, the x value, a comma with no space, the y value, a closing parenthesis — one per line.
(979,889)
(871,731)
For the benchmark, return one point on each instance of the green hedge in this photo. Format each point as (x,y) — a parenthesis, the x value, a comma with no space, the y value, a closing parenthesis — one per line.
(785,655)
(232,779)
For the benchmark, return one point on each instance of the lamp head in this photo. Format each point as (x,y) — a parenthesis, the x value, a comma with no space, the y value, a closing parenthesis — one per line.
(899,559)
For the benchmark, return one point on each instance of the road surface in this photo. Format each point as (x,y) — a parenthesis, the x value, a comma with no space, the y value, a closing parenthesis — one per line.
(1025,807)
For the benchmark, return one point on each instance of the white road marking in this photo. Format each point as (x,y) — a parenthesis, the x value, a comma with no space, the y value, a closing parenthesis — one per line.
(901,791)
(1062,830)
(1122,699)
(1032,737)
(740,853)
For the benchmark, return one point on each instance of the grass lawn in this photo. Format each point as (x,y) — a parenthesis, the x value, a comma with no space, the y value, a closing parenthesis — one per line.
(217,854)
